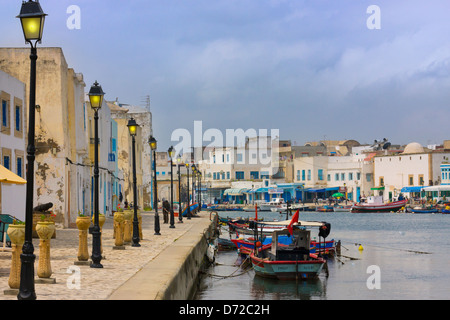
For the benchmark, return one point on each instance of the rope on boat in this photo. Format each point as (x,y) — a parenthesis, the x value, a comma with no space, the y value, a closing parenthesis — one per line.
(232,274)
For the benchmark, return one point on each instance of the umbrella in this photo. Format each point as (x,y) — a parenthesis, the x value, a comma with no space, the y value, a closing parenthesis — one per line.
(7,176)
(337,195)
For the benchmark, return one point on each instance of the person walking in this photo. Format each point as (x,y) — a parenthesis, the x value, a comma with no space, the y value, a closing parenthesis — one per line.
(166,210)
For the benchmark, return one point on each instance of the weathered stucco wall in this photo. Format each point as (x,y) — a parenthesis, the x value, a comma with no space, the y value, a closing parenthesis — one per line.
(55,125)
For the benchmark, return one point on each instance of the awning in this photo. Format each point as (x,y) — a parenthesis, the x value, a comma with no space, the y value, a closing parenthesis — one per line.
(377,188)
(235,191)
(411,189)
(442,187)
(323,189)
(253,190)
(316,190)
(7,176)
(261,190)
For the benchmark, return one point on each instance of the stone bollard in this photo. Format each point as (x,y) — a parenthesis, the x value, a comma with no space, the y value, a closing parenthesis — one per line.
(127,230)
(83,224)
(17,235)
(118,231)
(45,231)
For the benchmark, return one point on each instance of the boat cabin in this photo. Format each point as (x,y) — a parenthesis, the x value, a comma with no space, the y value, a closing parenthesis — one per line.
(297,250)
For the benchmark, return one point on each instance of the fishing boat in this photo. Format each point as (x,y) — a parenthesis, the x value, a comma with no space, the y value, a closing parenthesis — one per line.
(378,207)
(342,208)
(246,245)
(193,208)
(275,203)
(419,210)
(292,262)
(324,209)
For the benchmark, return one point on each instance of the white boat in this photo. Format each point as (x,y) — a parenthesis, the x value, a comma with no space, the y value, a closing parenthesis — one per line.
(275,203)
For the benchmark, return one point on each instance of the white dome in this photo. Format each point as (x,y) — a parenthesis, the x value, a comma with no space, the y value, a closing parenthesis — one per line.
(413,147)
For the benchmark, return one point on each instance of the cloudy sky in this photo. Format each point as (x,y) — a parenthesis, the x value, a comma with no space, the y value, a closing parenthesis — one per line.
(311,68)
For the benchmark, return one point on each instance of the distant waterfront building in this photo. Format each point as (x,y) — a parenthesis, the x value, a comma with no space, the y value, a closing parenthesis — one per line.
(416,166)
(445,172)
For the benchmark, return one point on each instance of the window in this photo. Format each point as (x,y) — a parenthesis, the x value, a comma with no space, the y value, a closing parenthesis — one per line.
(19,166)
(411,180)
(5,116)
(298,175)
(336,176)
(358,176)
(381,181)
(264,174)
(368,177)
(320,174)
(254,175)
(6,162)
(239,157)
(239,175)
(350,176)
(214,176)
(303,175)
(342,176)
(421,180)
(18,125)
(328,177)
(228,175)
(309,175)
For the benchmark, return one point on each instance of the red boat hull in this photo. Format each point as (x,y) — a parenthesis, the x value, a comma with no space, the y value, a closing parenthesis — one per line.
(385,207)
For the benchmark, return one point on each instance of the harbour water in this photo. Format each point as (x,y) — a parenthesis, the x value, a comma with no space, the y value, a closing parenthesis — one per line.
(408,253)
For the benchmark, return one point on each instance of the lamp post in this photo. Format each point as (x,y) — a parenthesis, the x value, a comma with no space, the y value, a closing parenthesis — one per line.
(188,201)
(194,176)
(132,128)
(153,145)
(180,207)
(96,100)
(199,190)
(171,152)
(32,19)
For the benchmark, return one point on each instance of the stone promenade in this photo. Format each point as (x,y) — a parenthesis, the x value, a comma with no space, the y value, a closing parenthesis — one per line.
(118,265)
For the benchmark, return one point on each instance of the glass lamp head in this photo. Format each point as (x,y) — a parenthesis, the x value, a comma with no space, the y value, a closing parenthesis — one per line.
(32,19)
(96,95)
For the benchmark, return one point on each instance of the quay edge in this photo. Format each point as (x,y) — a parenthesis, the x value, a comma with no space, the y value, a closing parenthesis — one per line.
(173,274)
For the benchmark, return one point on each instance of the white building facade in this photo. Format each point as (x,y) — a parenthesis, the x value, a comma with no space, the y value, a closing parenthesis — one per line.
(13,143)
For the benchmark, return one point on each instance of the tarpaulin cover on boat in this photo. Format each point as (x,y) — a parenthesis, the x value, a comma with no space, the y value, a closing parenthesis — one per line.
(300,223)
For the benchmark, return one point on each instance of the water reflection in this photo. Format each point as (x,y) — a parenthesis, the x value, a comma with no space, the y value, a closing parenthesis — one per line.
(273,289)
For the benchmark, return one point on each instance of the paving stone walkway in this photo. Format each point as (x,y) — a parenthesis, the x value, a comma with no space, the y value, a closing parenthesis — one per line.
(118,265)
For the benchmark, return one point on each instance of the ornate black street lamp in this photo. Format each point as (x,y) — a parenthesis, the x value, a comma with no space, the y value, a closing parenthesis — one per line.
(199,190)
(132,128)
(32,19)
(153,145)
(188,200)
(194,176)
(180,207)
(96,100)
(171,152)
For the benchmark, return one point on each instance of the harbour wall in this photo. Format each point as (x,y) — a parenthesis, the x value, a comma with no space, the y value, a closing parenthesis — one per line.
(173,274)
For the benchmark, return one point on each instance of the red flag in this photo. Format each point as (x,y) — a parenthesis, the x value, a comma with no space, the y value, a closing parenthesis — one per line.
(294,220)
